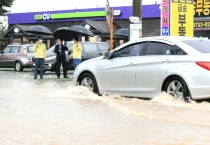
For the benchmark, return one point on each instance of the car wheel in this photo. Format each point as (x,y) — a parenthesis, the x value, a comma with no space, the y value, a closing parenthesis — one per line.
(89,81)
(177,87)
(18,66)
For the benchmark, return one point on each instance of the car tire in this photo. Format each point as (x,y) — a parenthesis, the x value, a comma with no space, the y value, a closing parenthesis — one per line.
(176,87)
(18,66)
(89,81)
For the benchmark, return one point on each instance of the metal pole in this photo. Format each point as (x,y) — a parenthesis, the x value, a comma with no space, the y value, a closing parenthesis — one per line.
(111,30)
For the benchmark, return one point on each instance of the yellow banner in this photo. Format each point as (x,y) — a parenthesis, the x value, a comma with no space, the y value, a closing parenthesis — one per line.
(182,18)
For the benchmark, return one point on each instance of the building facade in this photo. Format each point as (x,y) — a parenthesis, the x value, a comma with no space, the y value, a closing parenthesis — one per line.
(202,18)
(93,18)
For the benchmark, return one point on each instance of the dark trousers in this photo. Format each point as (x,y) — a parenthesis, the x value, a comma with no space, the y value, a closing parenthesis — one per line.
(39,63)
(58,66)
(76,62)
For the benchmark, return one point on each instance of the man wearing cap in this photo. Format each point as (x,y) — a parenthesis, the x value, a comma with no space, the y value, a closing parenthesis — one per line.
(39,55)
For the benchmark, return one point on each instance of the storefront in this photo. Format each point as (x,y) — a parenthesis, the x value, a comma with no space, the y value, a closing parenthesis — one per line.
(93,18)
(202,18)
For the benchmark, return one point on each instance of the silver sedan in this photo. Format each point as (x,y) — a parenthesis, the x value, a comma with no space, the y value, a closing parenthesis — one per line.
(144,68)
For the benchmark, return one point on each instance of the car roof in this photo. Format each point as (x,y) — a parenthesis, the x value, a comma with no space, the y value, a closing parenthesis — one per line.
(178,40)
(95,42)
(168,38)
(17,44)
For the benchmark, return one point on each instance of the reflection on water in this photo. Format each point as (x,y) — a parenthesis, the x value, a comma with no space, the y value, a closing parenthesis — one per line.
(53,112)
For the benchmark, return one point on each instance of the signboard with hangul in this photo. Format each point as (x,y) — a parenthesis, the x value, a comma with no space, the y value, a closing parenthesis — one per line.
(201,8)
(165,18)
(182,18)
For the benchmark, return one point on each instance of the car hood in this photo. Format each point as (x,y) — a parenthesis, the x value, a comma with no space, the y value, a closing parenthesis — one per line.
(95,59)
(50,54)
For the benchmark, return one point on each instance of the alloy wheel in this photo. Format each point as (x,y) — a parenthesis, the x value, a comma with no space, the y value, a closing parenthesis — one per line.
(87,82)
(18,66)
(176,89)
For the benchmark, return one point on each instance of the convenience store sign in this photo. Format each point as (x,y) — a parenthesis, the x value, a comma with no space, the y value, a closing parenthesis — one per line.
(48,16)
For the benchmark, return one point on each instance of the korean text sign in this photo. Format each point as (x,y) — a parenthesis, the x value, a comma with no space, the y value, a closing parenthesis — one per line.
(182,18)
(165,18)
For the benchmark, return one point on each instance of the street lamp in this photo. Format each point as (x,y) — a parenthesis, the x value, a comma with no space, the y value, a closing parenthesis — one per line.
(87,26)
(16,30)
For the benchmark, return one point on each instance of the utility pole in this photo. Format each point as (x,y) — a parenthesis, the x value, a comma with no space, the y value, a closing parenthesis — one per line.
(137,11)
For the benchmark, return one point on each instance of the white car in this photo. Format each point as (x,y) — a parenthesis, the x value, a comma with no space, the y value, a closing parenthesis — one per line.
(180,66)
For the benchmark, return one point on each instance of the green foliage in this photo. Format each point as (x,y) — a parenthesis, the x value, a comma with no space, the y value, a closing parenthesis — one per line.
(4,4)
(2,31)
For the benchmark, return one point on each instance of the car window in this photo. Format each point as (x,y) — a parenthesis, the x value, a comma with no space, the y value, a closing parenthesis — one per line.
(7,49)
(130,50)
(90,47)
(15,49)
(30,49)
(179,51)
(159,48)
(103,46)
(200,45)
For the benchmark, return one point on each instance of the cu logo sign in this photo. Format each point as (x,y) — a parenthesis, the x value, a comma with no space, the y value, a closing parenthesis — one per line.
(46,16)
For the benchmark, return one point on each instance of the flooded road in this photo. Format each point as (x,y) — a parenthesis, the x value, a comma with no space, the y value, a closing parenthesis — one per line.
(53,112)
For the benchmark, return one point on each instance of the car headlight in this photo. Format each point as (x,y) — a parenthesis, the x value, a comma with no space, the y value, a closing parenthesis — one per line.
(50,58)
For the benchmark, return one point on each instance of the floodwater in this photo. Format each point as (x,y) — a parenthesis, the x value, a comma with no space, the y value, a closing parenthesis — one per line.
(53,112)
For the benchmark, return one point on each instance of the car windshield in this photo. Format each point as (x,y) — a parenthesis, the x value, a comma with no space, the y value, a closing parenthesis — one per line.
(30,49)
(200,45)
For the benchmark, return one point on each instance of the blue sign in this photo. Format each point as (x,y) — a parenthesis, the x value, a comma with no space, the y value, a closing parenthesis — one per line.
(165,31)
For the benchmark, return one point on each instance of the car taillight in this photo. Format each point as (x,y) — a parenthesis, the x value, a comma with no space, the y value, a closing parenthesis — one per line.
(205,65)
(29,62)
(25,53)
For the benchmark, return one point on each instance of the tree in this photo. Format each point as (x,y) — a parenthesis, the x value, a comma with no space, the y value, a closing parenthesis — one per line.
(2,31)
(3,5)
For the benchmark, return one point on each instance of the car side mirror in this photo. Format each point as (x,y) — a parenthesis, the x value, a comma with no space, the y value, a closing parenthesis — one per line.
(106,54)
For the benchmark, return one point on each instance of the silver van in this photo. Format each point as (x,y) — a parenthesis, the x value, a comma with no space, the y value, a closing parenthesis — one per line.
(17,56)
(90,50)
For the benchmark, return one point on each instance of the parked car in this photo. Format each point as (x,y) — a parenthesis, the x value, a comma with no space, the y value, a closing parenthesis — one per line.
(90,50)
(180,66)
(17,56)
